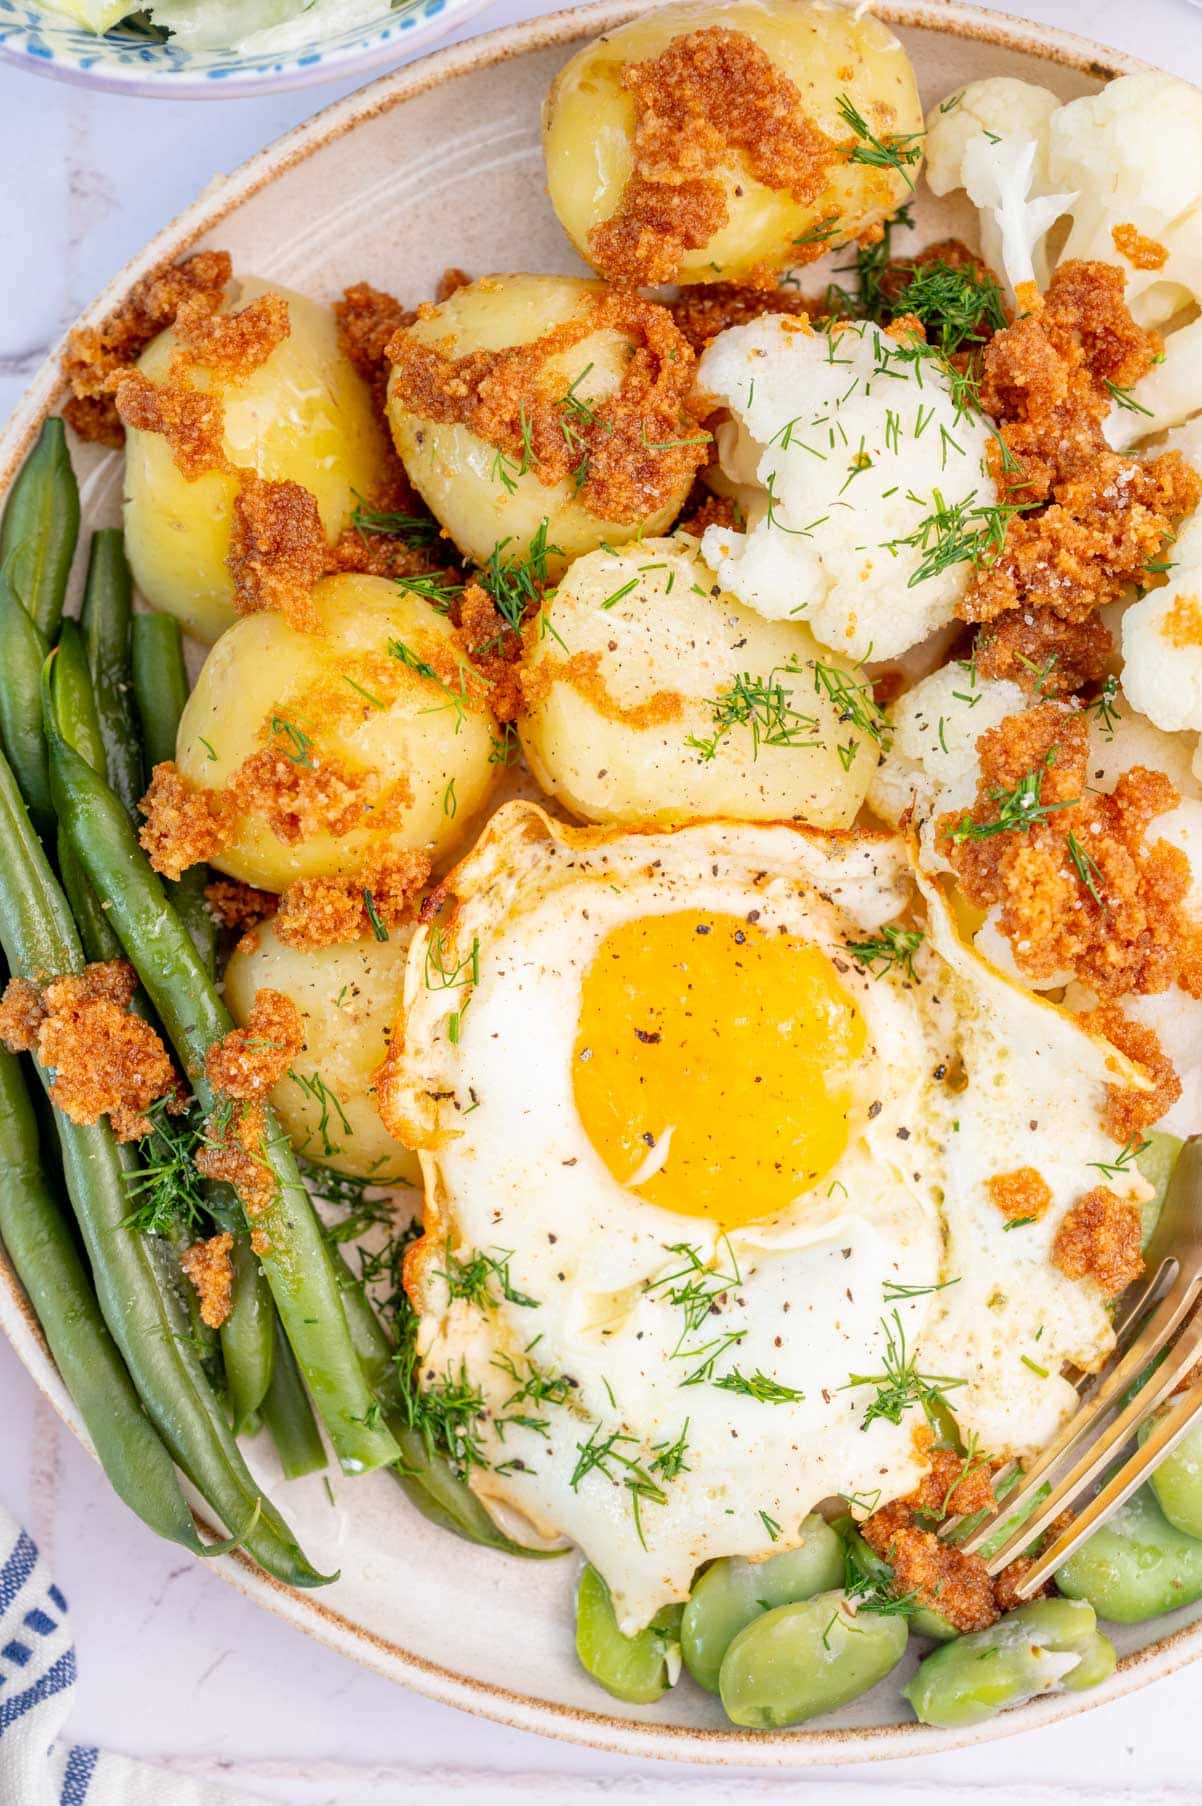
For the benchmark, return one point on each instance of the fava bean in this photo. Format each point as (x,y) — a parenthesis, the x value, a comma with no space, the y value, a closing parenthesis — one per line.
(1177,1480)
(1028,1652)
(1137,1566)
(1156,1160)
(800,1660)
(638,1669)
(734,1591)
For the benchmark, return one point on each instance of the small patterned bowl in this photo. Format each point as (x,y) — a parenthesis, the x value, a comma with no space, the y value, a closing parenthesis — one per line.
(127,60)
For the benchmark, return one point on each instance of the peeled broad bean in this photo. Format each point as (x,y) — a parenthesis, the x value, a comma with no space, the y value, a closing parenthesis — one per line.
(1156,1160)
(1137,1566)
(1177,1482)
(1030,1651)
(800,1660)
(638,1669)
(734,1592)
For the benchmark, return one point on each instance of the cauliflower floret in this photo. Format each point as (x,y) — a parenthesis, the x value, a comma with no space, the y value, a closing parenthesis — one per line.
(932,763)
(863,465)
(1170,394)
(992,140)
(1162,640)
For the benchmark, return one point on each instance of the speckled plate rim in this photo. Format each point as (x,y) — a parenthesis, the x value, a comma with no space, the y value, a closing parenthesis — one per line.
(146,78)
(624,1736)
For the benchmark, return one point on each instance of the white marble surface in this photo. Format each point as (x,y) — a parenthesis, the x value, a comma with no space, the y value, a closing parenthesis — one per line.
(175,1666)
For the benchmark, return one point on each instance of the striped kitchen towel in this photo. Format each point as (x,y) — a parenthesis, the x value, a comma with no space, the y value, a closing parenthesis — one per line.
(37,1685)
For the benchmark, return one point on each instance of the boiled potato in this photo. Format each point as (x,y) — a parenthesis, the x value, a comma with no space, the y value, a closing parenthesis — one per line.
(479,498)
(348,998)
(305,415)
(657,698)
(351,694)
(828,52)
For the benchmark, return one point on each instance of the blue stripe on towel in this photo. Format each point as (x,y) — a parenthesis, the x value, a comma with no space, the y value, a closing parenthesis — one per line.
(61,1675)
(77,1776)
(17,1569)
(40,1622)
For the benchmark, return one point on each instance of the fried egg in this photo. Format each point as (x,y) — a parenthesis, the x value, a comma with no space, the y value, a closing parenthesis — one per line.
(707,1203)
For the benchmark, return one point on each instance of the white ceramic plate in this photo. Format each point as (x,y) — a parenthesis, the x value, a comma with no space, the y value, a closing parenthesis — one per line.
(440,165)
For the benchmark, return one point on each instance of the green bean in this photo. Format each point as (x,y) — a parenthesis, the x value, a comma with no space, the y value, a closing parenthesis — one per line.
(1136,1566)
(288,1413)
(160,690)
(425,1476)
(22,655)
(732,1592)
(95,929)
(1034,1650)
(797,1661)
(39,942)
(40,528)
(36,1235)
(106,615)
(248,1335)
(180,1297)
(639,1669)
(295,1259)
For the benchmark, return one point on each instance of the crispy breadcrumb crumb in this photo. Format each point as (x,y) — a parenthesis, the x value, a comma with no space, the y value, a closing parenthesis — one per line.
(233,1152)
(192,421)
(1044,655)
(323,912)
(247,1062)
(367,319)
(1128,1111)
(238,907)
(1142,252)
(1024,1193)
(185,824)
(903,1533)
(1099,1239)
(278,550)
(707,94)
(209,1267)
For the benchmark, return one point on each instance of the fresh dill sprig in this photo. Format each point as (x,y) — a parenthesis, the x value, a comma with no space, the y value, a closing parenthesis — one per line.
(1124,1160)
(898,150)
(300,742)
(441,976)
(457,696)
(696,1288)
(1087,869)
(761,1387)
(473,1277)
(900,1384)
(415,529)
(893,949)
(517,585)
(895,1292)
(854,701)
(1123,398)
(437,590)
(869,1583)
(165,1190)
(1018,810)
(963,532)
(1103,707)
(763,704)
(958,307)
(329,1105)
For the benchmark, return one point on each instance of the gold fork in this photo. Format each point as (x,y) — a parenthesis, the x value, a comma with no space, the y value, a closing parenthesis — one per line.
(1156,1314)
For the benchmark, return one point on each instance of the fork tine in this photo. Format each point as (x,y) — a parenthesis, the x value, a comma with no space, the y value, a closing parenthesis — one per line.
(1101,1452)
(1117,1491)
(1160,1327)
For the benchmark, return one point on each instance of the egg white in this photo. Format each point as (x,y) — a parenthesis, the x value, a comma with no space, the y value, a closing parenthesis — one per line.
(481,1083)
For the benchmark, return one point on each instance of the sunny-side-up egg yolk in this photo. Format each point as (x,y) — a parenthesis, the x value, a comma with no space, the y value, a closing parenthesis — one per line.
(700,1187)
(740,1062)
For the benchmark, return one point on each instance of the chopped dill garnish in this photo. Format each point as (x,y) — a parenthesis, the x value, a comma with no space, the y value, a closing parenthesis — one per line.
(869,1583)
(378,928)
(963,532)
(761,1387)
(1123,398)
(1017,810)
(329,1105)
(893,949)
(1124,1160)
(1087,869)
(473,1277)
(900,1385)
(895,1292)
(958,307)
(440,592)
(763,704)
(457,696)
(297,738)
(770,1525)
(1103,706)
(898,151)
(165,1190)
(414,529)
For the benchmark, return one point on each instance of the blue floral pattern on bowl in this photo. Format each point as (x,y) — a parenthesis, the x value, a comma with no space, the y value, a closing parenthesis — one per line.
(130,61)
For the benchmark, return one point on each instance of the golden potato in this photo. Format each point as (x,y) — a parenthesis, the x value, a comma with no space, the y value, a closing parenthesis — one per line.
(304,414)
(657,698)
(744,206)
(348,998)
(379,708)
(483,496)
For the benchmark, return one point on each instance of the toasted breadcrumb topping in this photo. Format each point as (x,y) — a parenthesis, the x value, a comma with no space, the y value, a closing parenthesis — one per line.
(1099,1239)
(1142,252)
(238,907)
(1046,656)
(97,357)
(1021,1195)
(904,1533)
(323,912)
(1182,623)
(1128,1111)
(106,1060)
(191,421)
(1079,886)
(185,824)
(247,1062)
(232,346)
(704,309)
(1092,522)
(707,94)
(367,320)
(278,550)
(627,453)
(209,1266)
(233,1152)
